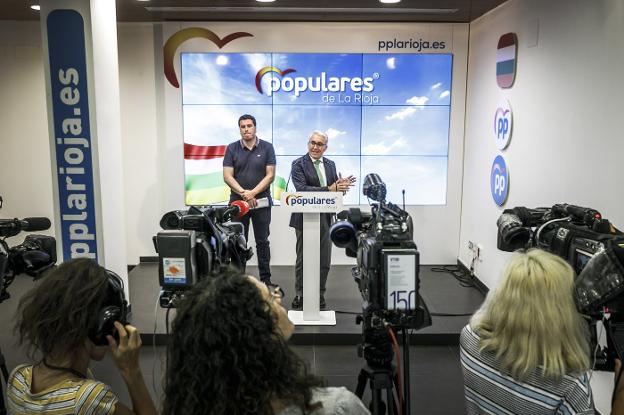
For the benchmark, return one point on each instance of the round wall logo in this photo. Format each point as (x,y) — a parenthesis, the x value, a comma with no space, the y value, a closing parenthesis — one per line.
(502,125)
(499,181)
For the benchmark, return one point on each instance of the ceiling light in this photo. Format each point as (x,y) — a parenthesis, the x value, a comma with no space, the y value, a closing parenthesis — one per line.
(35,7)
(265,1)
(389,1)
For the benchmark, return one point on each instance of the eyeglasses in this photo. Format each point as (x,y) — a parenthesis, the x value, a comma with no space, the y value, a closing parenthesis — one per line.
(275,291)
(316,144)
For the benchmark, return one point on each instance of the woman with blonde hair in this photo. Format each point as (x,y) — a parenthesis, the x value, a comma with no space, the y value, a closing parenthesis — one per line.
(526,350)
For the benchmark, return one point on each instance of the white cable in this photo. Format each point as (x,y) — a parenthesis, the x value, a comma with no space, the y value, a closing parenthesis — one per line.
(598,336)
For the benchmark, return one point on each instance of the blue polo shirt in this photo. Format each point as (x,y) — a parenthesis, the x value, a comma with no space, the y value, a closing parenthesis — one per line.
(249,165)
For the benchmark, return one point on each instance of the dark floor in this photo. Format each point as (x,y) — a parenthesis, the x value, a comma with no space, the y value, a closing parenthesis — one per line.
(435,373)
(442,293)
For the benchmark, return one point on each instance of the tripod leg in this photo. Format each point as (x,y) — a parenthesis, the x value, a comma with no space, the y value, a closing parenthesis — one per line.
(5,374)
(378,407)
(362,377)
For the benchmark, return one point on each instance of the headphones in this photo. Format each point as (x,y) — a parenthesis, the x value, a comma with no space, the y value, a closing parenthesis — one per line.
(114,308)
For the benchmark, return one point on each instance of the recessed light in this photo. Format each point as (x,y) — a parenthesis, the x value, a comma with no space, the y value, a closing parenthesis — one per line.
(389,1)
(35,7)
(265,1)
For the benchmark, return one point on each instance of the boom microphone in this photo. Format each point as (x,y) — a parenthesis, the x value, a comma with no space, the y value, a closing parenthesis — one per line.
(35,224)
(11,227)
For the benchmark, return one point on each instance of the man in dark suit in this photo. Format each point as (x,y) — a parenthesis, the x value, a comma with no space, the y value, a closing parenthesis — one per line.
(315,173)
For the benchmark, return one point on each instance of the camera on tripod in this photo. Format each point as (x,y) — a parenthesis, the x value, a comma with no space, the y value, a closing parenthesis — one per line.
(592,246)
(387,276)
(34,256)
(195,241)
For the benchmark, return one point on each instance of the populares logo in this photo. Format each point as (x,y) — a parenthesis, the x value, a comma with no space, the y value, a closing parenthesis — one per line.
(294,199)
(320,83)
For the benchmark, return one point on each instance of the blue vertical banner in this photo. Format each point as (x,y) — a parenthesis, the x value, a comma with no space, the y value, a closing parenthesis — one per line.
(72,134)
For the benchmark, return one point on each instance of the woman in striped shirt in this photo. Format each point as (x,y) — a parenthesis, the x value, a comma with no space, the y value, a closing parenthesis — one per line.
(526,350)
(57,320)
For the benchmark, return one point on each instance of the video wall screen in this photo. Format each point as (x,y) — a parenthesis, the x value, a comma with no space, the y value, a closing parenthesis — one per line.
(383,113)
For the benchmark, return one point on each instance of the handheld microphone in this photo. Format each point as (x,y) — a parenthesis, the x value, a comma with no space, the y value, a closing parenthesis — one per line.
(240,208)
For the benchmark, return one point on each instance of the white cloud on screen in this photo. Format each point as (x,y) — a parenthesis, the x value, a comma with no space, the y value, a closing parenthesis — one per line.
(204,82)
(391,63)
(401,115)
(333,133)
(382,147)
(445,94)
(201,79)
(417,100)
(256,61)
(436,86)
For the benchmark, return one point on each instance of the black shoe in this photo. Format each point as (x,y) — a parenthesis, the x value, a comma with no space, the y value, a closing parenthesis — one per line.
(322,303)
(297,303)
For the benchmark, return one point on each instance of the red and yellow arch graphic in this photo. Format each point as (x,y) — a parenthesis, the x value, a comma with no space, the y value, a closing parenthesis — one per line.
(268,69)
(172,44)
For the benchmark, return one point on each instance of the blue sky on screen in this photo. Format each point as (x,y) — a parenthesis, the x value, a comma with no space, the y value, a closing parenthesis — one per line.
(408,130)
(207,125)
(423,178)
(293,124)
(223,78)
(403,132)
(423,79)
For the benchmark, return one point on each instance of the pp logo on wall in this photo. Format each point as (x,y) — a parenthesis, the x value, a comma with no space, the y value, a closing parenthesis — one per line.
(499,181)
(502,125)
(506,54)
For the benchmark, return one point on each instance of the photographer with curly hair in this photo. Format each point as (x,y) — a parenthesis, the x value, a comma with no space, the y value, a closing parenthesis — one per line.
(228,355)
(59,320)
(526,350)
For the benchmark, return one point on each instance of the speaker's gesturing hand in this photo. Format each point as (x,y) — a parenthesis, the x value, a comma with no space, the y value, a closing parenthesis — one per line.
(126,353)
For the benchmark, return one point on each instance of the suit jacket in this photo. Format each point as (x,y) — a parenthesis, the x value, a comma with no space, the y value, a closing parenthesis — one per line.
(305,179)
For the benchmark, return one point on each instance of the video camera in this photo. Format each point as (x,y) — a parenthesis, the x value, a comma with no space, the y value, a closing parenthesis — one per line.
(34,256)
(589,243)
(387,260)
(194,242)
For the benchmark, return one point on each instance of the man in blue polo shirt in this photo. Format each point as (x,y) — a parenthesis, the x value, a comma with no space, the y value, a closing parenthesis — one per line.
(249,169)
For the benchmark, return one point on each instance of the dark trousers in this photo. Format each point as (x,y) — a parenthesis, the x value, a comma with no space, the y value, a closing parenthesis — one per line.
(261,221)
(325,253)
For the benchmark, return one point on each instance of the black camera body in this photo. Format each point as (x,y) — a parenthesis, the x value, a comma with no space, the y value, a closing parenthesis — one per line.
(193,242)
(388,261)
(576,234)
(34,256)
(594,249)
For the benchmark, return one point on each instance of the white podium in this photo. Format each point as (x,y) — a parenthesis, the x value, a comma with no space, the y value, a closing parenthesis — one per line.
(312,204)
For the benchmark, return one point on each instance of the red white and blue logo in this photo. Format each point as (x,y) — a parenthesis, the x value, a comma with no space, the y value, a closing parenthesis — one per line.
(506,54)
(499,180)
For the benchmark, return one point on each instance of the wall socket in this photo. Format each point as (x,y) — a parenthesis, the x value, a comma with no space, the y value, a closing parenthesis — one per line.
(476,249)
